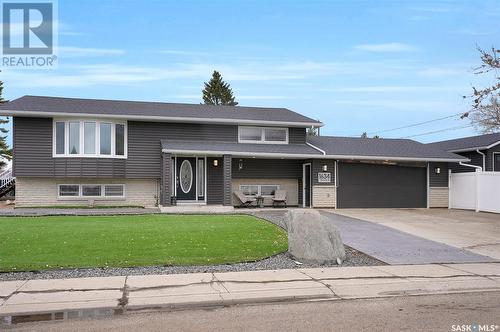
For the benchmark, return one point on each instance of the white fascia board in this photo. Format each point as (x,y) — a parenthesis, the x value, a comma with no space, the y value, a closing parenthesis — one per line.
(492,145)
(469,149)
(307,156)
(163,118)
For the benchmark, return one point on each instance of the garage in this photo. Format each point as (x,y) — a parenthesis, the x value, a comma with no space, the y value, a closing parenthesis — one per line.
(365,185)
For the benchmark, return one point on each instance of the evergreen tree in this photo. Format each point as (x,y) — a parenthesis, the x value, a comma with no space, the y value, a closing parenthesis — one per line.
(218,92)
(4,148)
(312,131)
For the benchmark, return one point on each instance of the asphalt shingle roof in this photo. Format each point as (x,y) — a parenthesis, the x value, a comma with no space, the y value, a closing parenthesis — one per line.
(211,146)
(472,143)
(188,112)
(380,147)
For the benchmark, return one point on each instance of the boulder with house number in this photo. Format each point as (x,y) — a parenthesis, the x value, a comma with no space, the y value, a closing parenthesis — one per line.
(313,238)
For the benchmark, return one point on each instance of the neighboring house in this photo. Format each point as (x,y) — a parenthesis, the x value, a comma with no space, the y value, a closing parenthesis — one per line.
(70,151)
(482,150)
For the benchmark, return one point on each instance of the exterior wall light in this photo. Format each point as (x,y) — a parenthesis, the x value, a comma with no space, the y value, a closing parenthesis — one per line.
(437,170)
(216,162)
(240,164)
(325,167)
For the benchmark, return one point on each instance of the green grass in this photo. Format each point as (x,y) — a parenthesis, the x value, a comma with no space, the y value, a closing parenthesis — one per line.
(40,243)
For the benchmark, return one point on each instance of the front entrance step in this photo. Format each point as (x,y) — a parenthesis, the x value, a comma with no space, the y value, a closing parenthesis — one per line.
(197,209)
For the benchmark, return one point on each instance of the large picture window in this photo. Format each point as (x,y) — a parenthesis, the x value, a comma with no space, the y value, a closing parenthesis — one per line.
(83,138)
(262,135)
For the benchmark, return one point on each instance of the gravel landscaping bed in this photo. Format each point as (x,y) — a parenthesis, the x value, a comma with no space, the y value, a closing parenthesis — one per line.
(280,261)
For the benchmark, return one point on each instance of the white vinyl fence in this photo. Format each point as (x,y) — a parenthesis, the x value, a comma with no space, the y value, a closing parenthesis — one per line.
(479,191)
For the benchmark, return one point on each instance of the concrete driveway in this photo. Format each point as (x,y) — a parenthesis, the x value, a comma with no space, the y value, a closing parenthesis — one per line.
(477,232)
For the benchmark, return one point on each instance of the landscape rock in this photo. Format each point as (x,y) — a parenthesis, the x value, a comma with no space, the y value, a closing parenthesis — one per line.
(313,238)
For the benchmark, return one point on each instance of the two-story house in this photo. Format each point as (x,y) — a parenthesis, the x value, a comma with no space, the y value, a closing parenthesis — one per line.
(71,151)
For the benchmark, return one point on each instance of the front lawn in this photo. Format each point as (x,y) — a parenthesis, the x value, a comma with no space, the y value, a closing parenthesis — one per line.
(38,243)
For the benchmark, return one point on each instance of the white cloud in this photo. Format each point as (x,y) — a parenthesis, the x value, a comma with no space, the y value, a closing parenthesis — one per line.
(386,48)
(429,106)
(71,51)
(182,52)
(391,89)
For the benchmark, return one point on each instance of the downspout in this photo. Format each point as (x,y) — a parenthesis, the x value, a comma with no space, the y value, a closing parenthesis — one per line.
(467,165)
(484,159)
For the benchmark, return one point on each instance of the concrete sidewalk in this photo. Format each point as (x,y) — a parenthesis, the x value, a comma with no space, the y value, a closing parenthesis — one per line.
(22,301)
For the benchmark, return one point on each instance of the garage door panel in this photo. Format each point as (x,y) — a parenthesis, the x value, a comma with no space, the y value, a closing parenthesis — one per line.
(381,186)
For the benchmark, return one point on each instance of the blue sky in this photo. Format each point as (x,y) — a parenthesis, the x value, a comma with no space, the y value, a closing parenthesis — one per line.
(355,65)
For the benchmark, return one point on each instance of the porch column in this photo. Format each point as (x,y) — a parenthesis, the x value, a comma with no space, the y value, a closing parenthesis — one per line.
(227,180)
(166,179)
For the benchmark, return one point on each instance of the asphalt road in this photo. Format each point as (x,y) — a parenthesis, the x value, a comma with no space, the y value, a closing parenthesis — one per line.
(415,313)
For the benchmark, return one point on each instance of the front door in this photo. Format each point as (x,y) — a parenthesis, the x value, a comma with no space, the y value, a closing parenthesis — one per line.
(186,179)
(306,182)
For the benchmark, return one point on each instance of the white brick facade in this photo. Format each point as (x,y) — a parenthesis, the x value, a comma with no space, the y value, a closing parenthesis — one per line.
(44,192)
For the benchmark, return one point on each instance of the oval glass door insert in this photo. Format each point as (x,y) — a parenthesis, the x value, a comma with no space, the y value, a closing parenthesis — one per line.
(186,176)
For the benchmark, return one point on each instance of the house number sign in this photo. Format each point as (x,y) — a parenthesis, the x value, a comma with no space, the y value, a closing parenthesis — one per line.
(324,177)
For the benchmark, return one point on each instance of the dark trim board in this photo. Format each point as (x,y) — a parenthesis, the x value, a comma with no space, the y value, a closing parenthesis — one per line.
(381,186)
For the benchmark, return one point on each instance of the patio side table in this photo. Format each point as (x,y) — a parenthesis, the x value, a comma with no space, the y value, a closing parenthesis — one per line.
(260,201)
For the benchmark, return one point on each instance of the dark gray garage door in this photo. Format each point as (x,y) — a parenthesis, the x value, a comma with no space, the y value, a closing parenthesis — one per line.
(381,186)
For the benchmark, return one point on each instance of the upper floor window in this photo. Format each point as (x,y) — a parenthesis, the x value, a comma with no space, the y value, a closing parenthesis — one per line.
(262,135)
(89,138)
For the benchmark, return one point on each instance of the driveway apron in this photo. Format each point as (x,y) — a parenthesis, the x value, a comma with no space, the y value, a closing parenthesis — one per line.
(395,247)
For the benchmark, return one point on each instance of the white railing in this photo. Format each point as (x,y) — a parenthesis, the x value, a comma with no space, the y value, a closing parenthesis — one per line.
(6,178)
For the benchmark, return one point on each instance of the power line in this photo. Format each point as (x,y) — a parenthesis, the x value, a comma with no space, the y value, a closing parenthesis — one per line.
(415,124)
(439,131)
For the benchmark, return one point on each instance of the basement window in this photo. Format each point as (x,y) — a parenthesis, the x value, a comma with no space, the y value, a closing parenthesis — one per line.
(82,191)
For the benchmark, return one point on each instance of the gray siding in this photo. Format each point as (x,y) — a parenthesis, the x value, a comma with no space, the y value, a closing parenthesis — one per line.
(144,146)
(33,155)
(228,191)
(317,167)
(166,179)
(441,179)
(33,149)
(267,169)
(490,160)
(476,159)
(215,182)
(296,135)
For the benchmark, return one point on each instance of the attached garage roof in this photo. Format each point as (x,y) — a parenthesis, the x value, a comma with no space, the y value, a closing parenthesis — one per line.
(322,147)
(155,111)
(480,142)
(240,149)
(381,149)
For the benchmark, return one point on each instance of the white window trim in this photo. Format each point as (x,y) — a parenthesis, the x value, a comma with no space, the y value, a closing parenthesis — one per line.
(259,190)
(97,153)
(262,135)
(81,197)
(493,160)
